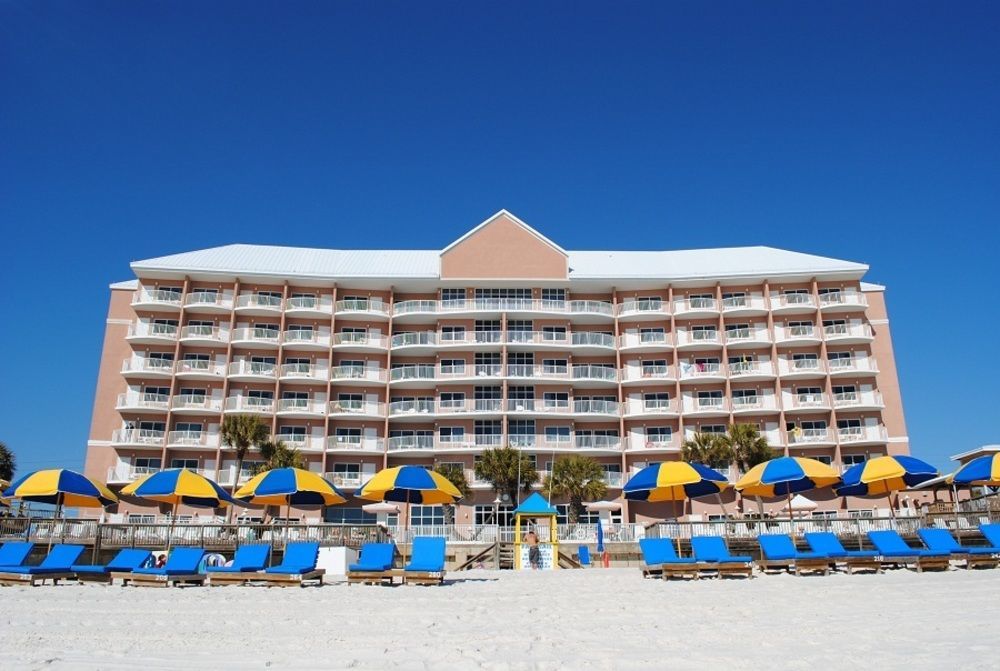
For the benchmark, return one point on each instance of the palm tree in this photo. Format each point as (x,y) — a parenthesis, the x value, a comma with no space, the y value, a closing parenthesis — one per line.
(8,464)
(241,432)
(499,466)
(749,448)
(277,454)
(456,476)
(709,449)
(576,477)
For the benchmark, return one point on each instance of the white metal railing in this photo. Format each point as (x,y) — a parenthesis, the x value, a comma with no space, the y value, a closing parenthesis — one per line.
(749,334)
(257,334)
(648,373)
(671,442)
(698,337)
(250,404)
(835,331)
(810,400)
(344,479)
(362,305)
(354,443)
(298,370)
(152,330)
(400,443)
(258,301)
(856,434)
(846,399)
(808,435)
(358,373)
(652,406)
(465,337)
(593,372)
(193,439)
(591,339)
(743,302)
(738,368)
(425,338)
(700,369)
(589,442)
(158,296)
(138,436)
(204,332)
(127,473)
(642,305)
(412,372)
(306,337)
(596,407)
(845,365)
(143,400)
(304,303)
(756,402)
(591,307)
(793,366)
(300,405)
(195,402)
(779,301)
(253,368)
(705,404)
(147,365)
(357,338)
(538,337)
(199,366)
(410,307)
(355,407)
(208,299)
(846,297)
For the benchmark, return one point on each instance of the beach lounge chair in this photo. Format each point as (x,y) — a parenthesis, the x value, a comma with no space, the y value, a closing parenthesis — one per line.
(941,540)
(374,565)
(426,565)
(126,560)
(827,543)
(296,567)
(991,532)
(14,553)
(181,568)
(662,561)
(778,552)
(248,561)
(583,554)
(712,553)
(55,567)
(894,550)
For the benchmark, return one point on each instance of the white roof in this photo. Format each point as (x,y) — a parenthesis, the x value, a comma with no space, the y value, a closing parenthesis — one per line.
(127,284)
(979,451)
(268,260)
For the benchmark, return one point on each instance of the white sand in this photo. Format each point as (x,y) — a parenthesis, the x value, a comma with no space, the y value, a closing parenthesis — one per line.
(593,619)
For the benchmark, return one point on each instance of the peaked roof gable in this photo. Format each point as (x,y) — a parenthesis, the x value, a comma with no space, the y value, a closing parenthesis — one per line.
(511,217)
(535,505)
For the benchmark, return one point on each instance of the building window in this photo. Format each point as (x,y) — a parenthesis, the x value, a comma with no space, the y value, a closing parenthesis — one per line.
(345,515)
(426,516)
(452,434)
(190,464)
(557,434)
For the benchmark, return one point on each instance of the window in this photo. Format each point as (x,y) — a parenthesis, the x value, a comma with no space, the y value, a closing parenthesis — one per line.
(849,460)
(503,293)
(800,328)
(453,295)
(652,367)
(155,394)
(557,434)
(554,333)
(142,465)
(452,400)
(453,366)
(734,331)
(796,296)
(190,464)
(734,299)
(452,334)
(152,426)
(345,515)
(805,362)
(425,516)
(189,428)
(555,399)
(713,428)
(554,366)
(657,401)
(452,434)
(710,399)
(658,434)
(835,326)
(586,516)
(830,295)
(823,458)
(553,297)
(348,435)
(845,393)
(652,335)
(701,300)
(745,398)
(160,360)
(704,332)
(484,515)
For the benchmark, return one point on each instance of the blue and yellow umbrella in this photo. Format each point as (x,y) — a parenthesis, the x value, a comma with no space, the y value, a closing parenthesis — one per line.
(61,487)
(784,476)
(884,475)
(179,485)
(409,484)
(674,481)
(980,472)
(288,487)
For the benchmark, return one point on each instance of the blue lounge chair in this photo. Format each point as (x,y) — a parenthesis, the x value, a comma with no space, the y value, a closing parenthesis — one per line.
(894,550)
(661,560)
(583,552)
(941,540)
(55,567)
(181,568)
(126,560)
(426,566)
(779,552)
(712,552)
(992,534)
(827,543)
(374,564)
(14,553)
(296,567)
(247,562)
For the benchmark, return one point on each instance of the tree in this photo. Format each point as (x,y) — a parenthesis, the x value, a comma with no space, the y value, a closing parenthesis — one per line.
(242,432)
(749,448)
(576,477)
(709,449)
(277,454)
(456,476)
(8,464)
(499,467)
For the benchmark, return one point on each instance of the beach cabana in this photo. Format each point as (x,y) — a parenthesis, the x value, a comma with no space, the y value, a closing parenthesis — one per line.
(536,508)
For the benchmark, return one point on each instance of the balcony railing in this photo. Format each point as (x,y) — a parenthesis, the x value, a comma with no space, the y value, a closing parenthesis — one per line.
(157,296)
(698,337)
(810,400)
(592,372)
(781,301)
(193,439)
(743,302)
(199,366)
(363,305)
(253,368)
(412,372)
(258,335)
(702,369)
(152,330)
(596,407)
(808,435)
(308,304)
(358,373)
(153,437)
(860,434)
(846,297)
(250,404)
(198,332)
(126,473)
(652,372)
(349,480)
(143,400)
(852,365)
(305,406)
(147,365)
(306,337)
(746,368)
(844,331)
(639,306)
(195,402)
(354,443)
(416,339)
(847,399)
(352,407)
(212,299)
(358,339)
(258,301)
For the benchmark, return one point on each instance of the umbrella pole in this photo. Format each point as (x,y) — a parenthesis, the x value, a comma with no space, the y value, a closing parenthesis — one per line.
(288,512)
(59,499)
(791,514)
(406,526)
(170,533)
(677,521)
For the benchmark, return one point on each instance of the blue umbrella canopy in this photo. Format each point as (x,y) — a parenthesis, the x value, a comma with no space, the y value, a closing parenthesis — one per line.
(882,475)
(61,487)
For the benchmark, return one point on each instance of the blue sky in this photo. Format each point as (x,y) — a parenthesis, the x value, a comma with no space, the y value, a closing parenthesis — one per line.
(862,131)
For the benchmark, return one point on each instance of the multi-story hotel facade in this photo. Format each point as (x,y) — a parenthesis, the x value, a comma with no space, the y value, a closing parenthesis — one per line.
(363,359)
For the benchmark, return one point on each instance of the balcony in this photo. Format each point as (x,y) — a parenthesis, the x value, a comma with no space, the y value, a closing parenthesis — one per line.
(584,409)
(796,335)
(701,372)
(843,300)
(590,375)
(416,311)
(792,303)
(351,444)
(597,443)
(669,443)
(650,408)
(801,368)
(411,375)
(810,437)
(250,405)
(861,435)
(705,406)
(419,342)
(411,444)
(199,369)
(371,308)
(351,408)
(700,339)
(124,473)
(469,340)
(258,304)
(208,301)
(749,337)
(746,371)
(196,404)
(591,310)
(300,441)
(354,341)
(300,407)
(263,338)
(468,373)
(301,373)
(156,299)
(427,309)
(690,307)
(150,333)
(643,309)
(848,334)
(311,339)
(753,405)
(808,402)
(193,440)
(141,402)
(852,366)
(858,400)
(144,367)
(345,480)
(644,374)
(138,438)
(363,375)
(203,335)
(594,444)
(744,305)
(252,371)
(309,306)
(648,341)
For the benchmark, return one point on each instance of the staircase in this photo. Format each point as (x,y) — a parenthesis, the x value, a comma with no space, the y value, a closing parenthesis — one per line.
(507,556)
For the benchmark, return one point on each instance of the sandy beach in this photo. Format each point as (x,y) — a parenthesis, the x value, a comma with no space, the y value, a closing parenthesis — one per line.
(593,619)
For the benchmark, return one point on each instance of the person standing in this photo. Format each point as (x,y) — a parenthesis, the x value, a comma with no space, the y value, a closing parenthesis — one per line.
(534,553)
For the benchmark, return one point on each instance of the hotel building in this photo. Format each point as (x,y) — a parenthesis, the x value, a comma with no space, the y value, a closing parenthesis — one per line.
(362,359)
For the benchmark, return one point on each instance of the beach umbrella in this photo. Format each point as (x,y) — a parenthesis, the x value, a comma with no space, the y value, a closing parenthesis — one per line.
(61,487)
(884,475)
(674,481)
(784,476)
(288,487)
(980,472)
(409,484)
(176,486)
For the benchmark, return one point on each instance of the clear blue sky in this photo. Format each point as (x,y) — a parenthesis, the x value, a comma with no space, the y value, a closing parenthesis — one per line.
(863,131)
